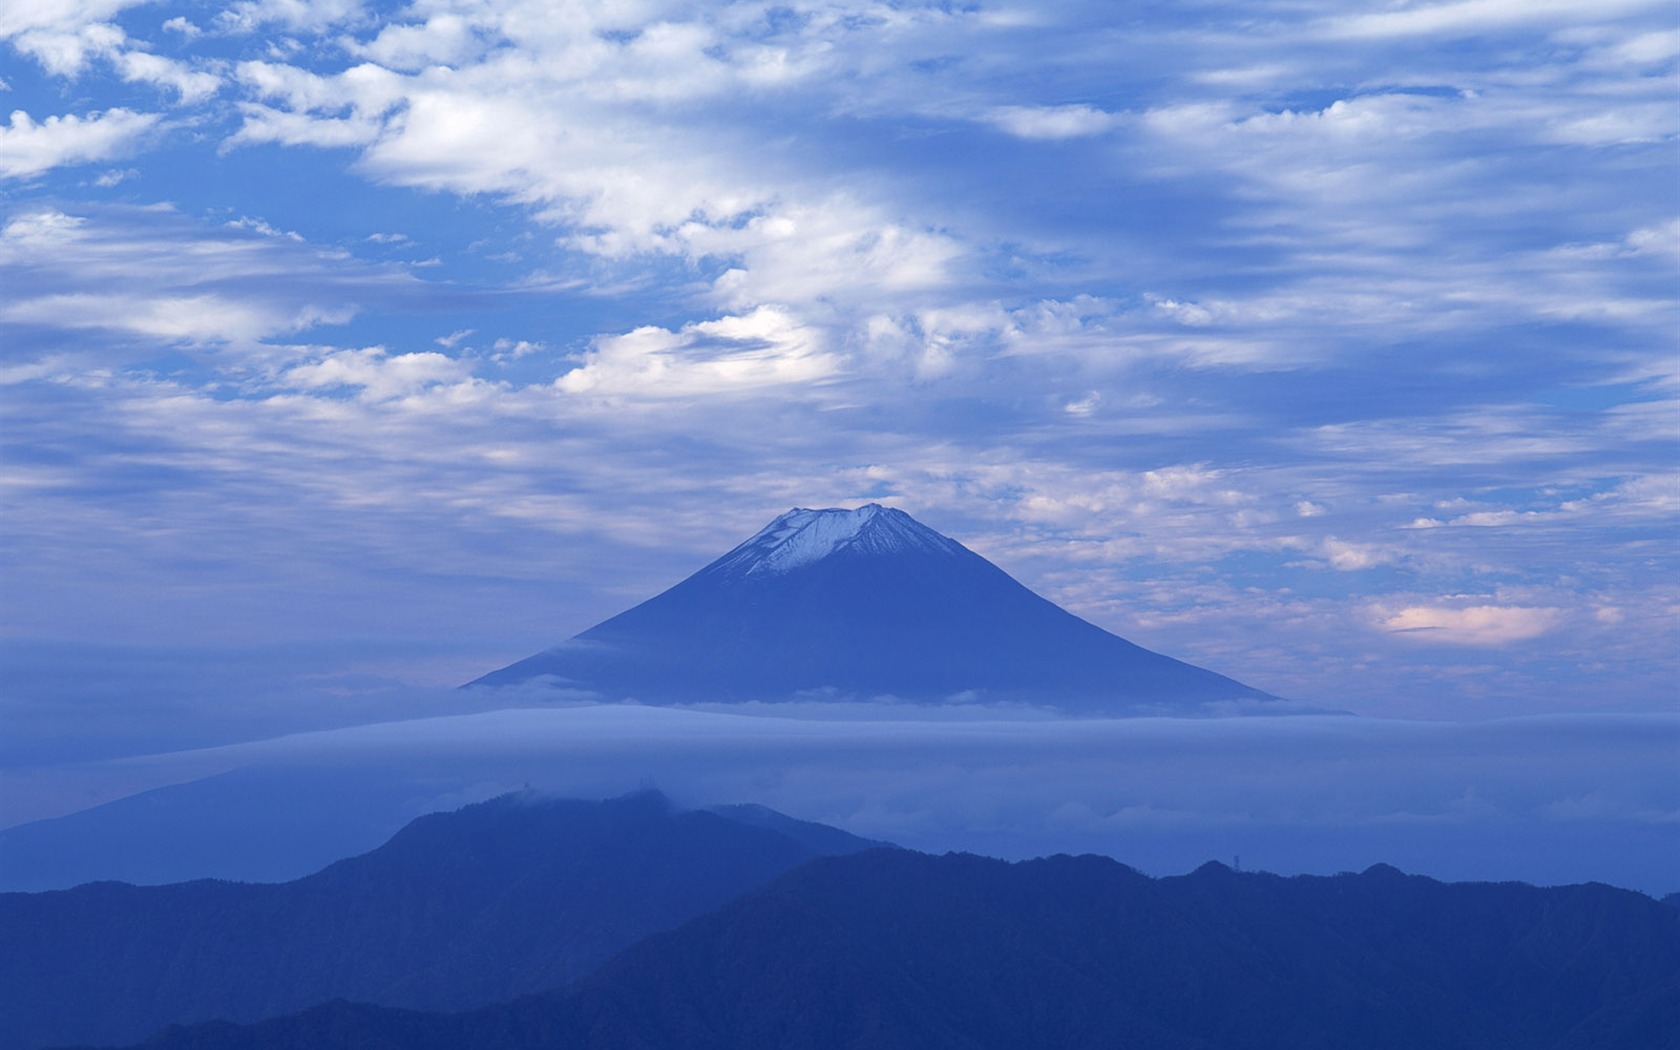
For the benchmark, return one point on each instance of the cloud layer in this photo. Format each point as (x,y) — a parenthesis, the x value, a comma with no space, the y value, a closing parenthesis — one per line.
(1524,798)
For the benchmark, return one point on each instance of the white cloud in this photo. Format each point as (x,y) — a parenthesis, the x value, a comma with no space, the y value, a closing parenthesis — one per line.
(1499,518)
(1191,314)
(65,51)
(65,46)
(196,318)
(1084,406)
(443,39)
(151,273)
(368,89)
(1478,625)
(379,374)
(629,127)
(1053,122)
(514,349)
(1643,49)
(1623,124)
(836,249)
(764,349)
(1662,239)
(603,135)
(28,148)
(1654,494)
(16,18)
(1470,17)
(37,230)
(1347,556)
(189,84)
(298,15)
(345,109)
(1645,498)
(262,124)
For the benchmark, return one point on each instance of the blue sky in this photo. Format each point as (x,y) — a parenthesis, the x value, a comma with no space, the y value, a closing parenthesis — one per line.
(351,349)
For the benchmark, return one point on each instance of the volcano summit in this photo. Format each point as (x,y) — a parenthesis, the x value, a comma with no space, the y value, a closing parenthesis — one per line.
(866,604)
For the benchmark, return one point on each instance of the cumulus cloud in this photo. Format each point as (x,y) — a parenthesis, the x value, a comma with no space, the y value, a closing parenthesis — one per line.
(190,85)
(28,148)
(59,14)
(836,249)
(766,348)
(444,39)
(583,122)
(377,374)
(65,38)
(306,15)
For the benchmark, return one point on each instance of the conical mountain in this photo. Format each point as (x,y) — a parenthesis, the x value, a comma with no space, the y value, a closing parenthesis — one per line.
(864,604)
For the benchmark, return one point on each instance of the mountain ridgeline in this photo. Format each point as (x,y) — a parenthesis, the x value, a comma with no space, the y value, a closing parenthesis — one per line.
(866,604)
(896,950)
(505,898)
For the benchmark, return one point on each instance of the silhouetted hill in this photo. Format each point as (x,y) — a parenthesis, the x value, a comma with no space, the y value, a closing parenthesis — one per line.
(258,824)
(862,604)
(893,950)
(493,901)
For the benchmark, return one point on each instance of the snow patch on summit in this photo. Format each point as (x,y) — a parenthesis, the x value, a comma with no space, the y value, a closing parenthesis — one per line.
(801,537)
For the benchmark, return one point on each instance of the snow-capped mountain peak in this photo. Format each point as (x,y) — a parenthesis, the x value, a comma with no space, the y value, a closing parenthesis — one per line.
(801,537)
(865,603)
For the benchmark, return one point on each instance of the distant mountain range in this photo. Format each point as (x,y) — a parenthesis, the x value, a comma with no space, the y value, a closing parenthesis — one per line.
(513,896)
(778,933)
(869,604)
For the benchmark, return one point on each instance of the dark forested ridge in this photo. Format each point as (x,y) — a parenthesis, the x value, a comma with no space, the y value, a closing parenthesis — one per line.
(516,895)
(894,950)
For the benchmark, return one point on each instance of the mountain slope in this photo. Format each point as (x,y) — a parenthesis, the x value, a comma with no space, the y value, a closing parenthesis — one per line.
(257,824)
(458,909)
(861,604)
(894,950)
